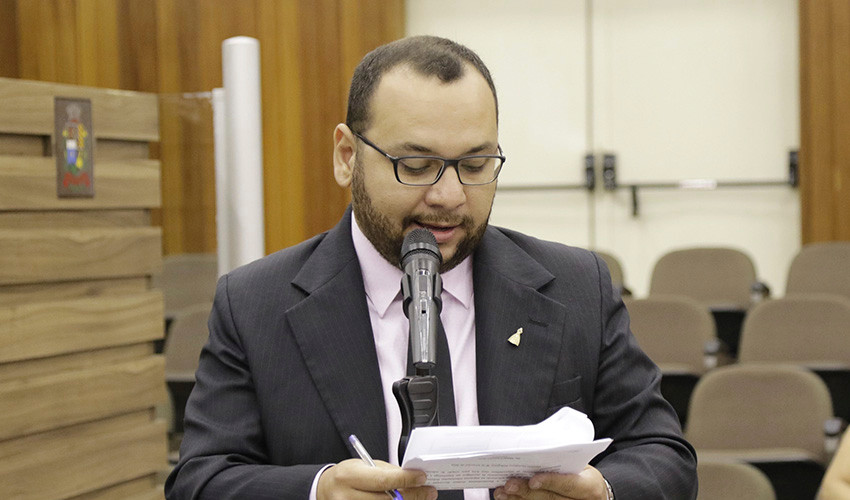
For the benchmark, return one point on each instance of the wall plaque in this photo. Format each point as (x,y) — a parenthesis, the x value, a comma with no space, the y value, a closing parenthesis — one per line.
(74,140)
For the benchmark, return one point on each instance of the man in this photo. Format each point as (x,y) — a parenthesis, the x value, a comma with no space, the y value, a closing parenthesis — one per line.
(305,344)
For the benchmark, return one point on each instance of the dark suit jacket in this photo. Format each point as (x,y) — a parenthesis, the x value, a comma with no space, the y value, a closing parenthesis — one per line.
(290,369)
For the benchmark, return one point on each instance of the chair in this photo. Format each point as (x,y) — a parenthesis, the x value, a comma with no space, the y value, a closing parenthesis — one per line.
(771,416)
(186,280)
(182,351)
(723,480)
(678,334)
(722,279)
(821,268)
(616,270)
(812,330)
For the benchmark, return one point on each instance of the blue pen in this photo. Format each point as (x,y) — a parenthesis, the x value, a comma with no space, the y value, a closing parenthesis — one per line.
(364,455)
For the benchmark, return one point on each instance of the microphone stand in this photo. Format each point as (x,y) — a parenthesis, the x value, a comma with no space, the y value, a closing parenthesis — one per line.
(417,398)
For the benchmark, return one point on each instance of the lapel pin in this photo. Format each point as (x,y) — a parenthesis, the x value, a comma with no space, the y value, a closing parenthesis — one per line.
(514,339)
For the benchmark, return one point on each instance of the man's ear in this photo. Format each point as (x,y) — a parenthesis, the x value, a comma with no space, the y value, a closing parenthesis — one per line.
(345,149)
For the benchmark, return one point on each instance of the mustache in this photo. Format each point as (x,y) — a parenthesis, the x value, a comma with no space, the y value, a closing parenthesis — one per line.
(439,220)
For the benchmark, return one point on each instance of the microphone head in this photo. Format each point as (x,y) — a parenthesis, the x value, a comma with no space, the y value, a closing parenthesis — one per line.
(420,242)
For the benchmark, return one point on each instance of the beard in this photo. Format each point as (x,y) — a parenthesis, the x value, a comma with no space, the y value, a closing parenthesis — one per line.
(387,238)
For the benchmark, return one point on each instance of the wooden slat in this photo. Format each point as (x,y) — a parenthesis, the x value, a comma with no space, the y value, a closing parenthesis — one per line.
(39,330)
(26,107)
(74,361)
(74,218)
(824,120)
(29,183)
(138,489)
(79,459)
(42,292)
(9,40)
(46,255)
(24,145)
(108,149)
(48,402)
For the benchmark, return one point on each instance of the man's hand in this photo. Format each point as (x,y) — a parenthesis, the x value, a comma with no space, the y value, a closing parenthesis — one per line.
(586,485)
(354,480)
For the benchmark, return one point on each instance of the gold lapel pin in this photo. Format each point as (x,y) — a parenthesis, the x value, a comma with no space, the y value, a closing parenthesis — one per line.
(514,339)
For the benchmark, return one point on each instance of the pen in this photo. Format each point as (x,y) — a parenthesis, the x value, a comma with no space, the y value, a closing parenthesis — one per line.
(364,455)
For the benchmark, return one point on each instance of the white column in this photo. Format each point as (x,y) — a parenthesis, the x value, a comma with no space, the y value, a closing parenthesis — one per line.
(239,155)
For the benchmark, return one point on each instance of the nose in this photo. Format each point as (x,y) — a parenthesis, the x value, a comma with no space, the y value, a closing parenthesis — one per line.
(448,192)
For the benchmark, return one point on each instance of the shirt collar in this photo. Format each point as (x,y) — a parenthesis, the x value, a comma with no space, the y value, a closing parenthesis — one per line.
(382,280)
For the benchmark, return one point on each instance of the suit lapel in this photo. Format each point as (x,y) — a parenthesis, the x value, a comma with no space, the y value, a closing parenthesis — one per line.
(514,382)
(333,330)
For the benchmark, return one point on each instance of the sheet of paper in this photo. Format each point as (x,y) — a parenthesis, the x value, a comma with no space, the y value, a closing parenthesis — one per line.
(486,456)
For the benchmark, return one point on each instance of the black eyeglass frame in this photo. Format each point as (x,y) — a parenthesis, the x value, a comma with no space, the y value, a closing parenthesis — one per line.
(447,162)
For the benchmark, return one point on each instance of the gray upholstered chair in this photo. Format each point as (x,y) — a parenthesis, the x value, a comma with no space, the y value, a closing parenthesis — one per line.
(723,480)
(679,335)
(771,416)
(187,336)
(616,270)
(812,330)
(722,279)
(821,268)
(186,280)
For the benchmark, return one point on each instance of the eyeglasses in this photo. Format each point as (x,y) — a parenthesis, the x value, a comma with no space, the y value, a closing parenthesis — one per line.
(473,170)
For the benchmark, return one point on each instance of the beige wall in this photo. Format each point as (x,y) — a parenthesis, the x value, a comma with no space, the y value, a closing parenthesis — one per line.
(677,90)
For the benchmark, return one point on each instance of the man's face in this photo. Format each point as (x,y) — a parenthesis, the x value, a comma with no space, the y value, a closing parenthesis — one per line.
(416,115)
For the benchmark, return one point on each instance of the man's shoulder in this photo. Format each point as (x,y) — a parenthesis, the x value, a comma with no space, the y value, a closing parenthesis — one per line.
(281,265)
(552,255)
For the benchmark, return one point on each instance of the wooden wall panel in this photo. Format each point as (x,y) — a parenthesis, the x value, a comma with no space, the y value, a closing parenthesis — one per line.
(9,39)
(28,183)
(81,458)
(308,49)
(45,255)
(78,318)
(37,219)
(42,329)
(57,400)
(24,145)
(188,175)
(75,361)
(108,149)
(137,489)
(825,119)
(283,139)
(26,107)
(39,292)
(325,105)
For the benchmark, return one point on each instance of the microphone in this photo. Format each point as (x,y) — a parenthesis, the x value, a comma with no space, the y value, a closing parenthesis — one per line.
(421,287)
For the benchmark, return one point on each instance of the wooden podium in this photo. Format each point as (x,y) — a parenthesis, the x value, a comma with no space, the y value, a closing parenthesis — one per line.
(79,380)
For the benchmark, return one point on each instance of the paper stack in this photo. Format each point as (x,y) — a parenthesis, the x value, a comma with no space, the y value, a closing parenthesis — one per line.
(486,456)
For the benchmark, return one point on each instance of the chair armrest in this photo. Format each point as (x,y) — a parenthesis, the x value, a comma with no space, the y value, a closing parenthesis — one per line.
(715,353)
(759,291)
(833,428)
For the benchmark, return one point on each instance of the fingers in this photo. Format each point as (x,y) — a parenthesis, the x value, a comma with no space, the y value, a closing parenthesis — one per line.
(355,480)
(587,485)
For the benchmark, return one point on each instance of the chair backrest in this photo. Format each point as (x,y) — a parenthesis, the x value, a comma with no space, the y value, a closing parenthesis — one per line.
(732,480)
(821,268)
(812,329)
(672,331)
(757,407)
(715,277)
(186,337)
(614,267)
(186,280)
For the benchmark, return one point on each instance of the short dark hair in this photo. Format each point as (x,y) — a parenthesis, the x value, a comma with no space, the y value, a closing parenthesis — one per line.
(428,55)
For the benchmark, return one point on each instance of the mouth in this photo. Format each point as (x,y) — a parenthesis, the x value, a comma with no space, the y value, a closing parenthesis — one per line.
(442,232)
